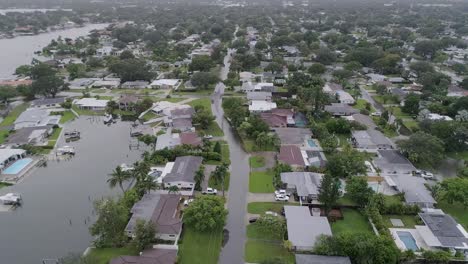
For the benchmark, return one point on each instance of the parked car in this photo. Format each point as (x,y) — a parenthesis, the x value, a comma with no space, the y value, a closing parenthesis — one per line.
(376,113)
(188,201)
(253,219)
(210,191)
(281,192)
(281,197)
(208,137)
(425,174)
(271,213)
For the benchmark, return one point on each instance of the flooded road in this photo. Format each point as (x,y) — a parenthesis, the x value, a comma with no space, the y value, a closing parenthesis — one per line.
(57,209)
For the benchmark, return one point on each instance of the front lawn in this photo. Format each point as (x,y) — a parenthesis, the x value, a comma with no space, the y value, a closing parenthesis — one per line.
(250,146)
(213,130)
(262,207)
(14,113)
(346,200)
(56,133)
(225,155)
(105,255)
(361,105)
(261,182)
(3,135)
(259,251)
(67,116)
(200,248)
(353,222)
(257,161)
(148,116)
(255,231)
(205,102)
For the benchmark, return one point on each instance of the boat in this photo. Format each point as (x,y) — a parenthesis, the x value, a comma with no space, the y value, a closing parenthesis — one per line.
(72,135)
(11,199)
(108,119)
(66,150)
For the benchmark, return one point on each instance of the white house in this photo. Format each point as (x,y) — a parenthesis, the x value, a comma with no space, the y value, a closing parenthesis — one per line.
(34,117)
(345,98)
(106,84)
(91,104)
(258,106)
(183,173)
(9,155)
(166,84)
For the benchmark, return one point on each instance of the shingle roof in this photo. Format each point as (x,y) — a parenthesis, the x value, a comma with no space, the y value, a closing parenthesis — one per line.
(184,169)
(291,155)
(305,183)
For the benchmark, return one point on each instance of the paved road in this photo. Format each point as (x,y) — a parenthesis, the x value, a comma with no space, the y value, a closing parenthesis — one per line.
(233,251)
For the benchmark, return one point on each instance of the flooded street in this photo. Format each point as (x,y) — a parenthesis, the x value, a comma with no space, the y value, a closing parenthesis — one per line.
(57,209)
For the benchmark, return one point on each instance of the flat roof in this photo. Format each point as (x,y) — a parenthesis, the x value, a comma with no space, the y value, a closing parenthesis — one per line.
(5,154)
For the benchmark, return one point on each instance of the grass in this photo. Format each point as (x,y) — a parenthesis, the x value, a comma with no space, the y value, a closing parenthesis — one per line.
(148,116)
(257,161)
(100,97)
(457,210)
(255,231)
(343,140)
(392,199)
(199,248)
(361,105)
(172,99)
(346,200)
(11,117)
(104,255)
(396,111)
(250,146)
(411,124)
(408,220)
(259,251)
(218,185)
(225,155)
(459,155)
(3,135)
(4,184)
(67,116)
(261,182)
(213,129)
(262,207)
(205,102)
(55,134)
(353,222)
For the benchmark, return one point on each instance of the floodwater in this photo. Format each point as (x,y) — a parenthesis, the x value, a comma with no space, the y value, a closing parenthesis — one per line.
(20,50)
(57,211)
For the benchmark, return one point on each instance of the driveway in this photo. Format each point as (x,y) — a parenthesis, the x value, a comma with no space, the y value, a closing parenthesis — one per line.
(260,197)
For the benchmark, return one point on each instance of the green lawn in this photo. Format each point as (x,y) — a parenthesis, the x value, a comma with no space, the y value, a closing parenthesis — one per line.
(3,135)
(4,184)
(258,251)
(67,116)
(213,129)
(392,199)
(11,117)
(205,102)
(257,161)
(397,112)
(55,134)
(104,255)
(346,200)
(225,155)
(254,231)
(353,222)
(408,220)
(343,139)
(411,124)
(148,116)
(361,105)
(172,99)
(250,146)
(261,182)
(262,207)
(217,186)
(199,248)
(456,210)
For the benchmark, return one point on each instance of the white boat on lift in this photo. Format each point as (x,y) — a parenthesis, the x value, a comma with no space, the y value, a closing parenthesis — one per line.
(11,199)
(66,150)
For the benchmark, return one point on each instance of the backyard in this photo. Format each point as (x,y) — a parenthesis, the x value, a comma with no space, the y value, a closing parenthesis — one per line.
(199,248)
(353,222)
(104,255)
(261,182)
(257,251)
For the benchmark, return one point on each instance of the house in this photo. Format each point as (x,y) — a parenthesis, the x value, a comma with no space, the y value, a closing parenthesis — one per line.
(34,136)
(279,117)
(437,117)
(9,155)
(332,88)
(345,98)
(48,102)
(337,109)
(247,87)
(180,118)
(162,211)
(292,135)
(127,101)
(291,154)
(395,79)
(370,139)
(314,158)
(319,259)
(166,84)
(303,228)
(91,104)
(305,184)
(33,117)
(456,91)
(266,87)
(413,187)
(258,106)
(104,51)
(134,84)
(81,83)
(167,140)
(183,173)
(291,50)
(110,84)
(190,138)
(15,83)
(392,162)
(149,256)
(259,96)
(375,77)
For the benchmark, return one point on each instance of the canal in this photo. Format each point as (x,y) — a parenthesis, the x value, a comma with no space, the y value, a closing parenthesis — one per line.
(20,50)
(57,210)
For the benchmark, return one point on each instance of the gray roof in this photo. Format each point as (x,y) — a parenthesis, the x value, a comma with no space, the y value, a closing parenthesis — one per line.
(305,183)
(167,140)
(184,169)
(414,189)
(292,135)
(318,259)
(303,228)
(259,95)
(48,101)
(391,161)
(27,135)
(371,139)
(340,109)
(445,229)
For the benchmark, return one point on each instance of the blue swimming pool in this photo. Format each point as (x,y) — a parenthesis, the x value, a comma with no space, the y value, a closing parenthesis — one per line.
(17,166)
(408,239)
(311,143)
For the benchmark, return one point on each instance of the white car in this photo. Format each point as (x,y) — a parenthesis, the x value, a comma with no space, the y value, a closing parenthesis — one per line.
(271,213)
(376,114)
(210,191)
(424,174)
(280,192)
(208,137)
(187,202)
(281,198)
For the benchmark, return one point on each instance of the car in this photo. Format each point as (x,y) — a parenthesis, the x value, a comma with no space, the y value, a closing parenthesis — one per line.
(281,192)
(208,137)
(376,113)
(424,174)
(281,198)
(253,219)
(271,213)
(210,191)
(188,201)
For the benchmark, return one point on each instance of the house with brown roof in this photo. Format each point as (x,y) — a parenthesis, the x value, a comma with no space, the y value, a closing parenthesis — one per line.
(279,118)
(149,256)
(190,138)
(291,154)
(127,101)
(162,211)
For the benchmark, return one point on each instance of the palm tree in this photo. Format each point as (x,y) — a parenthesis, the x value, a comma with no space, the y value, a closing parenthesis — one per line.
(117,177)
(146,185)
(219,174)
(173,189)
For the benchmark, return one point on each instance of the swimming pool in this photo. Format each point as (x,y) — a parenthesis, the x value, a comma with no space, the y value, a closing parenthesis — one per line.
(17,166)
(311,143)
(407,239)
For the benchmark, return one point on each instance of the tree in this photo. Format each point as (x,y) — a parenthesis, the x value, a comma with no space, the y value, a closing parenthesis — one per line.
(202,117)
(317,68)
(272,225)
(325,56)
(173,189)
(76,70)
(131,70)
(464,83)
(206,213)
(423,149)
(45,80)
(219,175)
(426,48)
(201,63)
(112,217)
(203,80)
(118,177)
(23,70)
(329,192)
(199,177)
(346,163)
(126,54)
(217,147)
(342,74)
(6,93)
(144,234)
(359,191)
(411,104)
(421,67)
(454,190)
(274,67)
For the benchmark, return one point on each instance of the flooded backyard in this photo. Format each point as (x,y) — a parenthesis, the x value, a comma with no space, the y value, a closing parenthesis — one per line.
(57,209)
